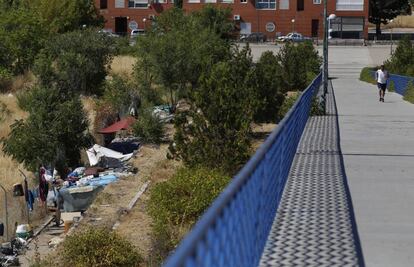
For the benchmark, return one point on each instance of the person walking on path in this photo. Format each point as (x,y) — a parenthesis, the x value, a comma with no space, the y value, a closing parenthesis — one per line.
(381,76)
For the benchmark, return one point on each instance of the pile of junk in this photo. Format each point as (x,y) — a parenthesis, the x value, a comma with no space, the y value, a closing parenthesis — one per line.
(10,251)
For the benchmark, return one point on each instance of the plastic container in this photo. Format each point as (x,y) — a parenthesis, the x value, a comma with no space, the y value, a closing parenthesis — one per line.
(24,231)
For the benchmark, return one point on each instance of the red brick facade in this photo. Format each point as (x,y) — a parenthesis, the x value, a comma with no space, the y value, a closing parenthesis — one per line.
(257,19)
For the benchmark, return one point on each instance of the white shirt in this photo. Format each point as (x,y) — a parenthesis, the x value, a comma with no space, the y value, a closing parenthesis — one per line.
(381,76)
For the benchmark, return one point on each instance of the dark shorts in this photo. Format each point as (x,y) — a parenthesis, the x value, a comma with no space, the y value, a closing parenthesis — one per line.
(382,86)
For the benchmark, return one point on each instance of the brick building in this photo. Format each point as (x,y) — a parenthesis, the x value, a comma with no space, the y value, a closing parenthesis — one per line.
(273,17)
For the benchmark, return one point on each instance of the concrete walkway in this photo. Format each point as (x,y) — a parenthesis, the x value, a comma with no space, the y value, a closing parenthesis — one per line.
(377,141)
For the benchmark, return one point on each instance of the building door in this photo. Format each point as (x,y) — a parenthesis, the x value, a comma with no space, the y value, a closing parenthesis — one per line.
(315,27)
(121,25)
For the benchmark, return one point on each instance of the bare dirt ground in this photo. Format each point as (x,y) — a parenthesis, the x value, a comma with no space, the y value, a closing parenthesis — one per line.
(9,170)
(110,205)
(260,133)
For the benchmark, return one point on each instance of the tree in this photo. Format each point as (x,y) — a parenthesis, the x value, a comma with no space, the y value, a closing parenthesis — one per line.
(120,93)
(402,60)
(215,131)
(217,19)
(68,15)
(381,11)
(21,38)
(179,47)
(53,133)
(270,94)
(300,64)
(77,61)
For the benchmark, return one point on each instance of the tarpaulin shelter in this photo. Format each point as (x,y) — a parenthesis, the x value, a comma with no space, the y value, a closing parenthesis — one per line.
(123,124)
(96,152)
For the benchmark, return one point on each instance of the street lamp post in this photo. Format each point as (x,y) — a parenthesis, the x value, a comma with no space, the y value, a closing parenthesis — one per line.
(7,215)
(293,25)
(144,20)
(325,48)
(391,37)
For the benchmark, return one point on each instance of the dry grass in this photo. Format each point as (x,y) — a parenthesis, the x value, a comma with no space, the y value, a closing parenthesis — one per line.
(398,22)
(123,65)
(22,81)
(89,105)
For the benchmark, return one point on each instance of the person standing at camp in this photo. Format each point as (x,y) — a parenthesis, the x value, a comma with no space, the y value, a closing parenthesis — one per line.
(381,76)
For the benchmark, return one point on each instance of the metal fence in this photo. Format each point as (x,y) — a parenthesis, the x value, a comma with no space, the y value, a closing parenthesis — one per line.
(234,230)
(400,82)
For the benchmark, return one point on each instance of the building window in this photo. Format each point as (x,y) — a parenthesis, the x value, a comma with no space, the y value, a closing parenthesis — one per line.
(266,4)
(119,4)
(210,1)
(284,4)
(350,5)
(103,4)
(138,3)
(243,1)
(193,1)
(227,1)
(317,2)
(300,5)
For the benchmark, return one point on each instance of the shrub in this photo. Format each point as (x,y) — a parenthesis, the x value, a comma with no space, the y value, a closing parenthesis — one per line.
(215,131)
(149,127)
(175,205)
(409,93)
(366,75)
(5,80)
(300,64)
(317,108)
(77,61)
(99,247)
(269,90)
(391,86)
(32,143)
(287,105)
(402,60)
(120,94)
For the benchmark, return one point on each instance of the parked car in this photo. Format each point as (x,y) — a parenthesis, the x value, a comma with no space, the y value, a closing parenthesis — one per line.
(108,32)
(293,37)
(253,37)
(137,32)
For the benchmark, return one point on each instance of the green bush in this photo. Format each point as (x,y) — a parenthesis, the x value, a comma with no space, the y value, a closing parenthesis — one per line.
(366,75)
(269,91)
(317,108)
(402,60)
(99,247)
(299,65)
(409,93)
(120,93)
(175,205)
(149,127)
(391,87)
(287,105)
(215,131)
(5,79)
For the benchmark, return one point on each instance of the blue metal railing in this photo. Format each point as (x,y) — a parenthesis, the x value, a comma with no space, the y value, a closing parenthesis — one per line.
(400,82)
(234,230)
